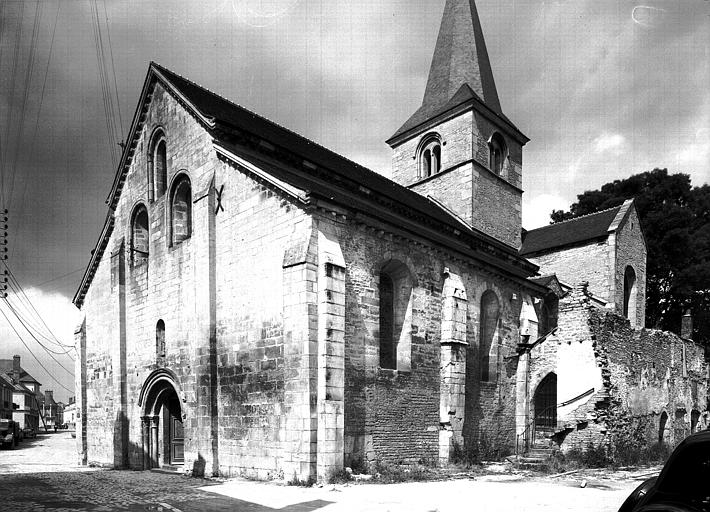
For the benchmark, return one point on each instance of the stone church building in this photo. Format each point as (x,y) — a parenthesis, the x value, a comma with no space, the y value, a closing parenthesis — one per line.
(259,305)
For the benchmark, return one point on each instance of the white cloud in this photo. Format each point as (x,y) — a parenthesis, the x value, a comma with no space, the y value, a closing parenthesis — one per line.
(536,212)
(609,141)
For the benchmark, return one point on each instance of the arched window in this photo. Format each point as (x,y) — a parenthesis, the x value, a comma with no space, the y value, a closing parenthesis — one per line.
(497,153)
(139,235)
(160,338)
(157,165)
(181,210)
(490,313)
(630,294)
(430,156)
(395,293)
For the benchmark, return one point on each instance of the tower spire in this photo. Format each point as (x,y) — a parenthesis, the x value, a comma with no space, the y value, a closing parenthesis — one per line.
(460,60)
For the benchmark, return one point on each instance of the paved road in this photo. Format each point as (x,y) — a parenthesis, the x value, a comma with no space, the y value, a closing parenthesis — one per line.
(42,475)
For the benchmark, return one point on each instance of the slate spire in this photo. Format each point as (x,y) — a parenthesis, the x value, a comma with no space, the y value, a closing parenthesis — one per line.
(459,67)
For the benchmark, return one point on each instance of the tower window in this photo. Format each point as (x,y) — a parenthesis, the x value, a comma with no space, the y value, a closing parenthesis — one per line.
(139,235)
(181,210)
(430,156)
(497,153)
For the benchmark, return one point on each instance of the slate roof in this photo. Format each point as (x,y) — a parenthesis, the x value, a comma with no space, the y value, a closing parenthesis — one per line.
(570,232)
(460,68)
(6,367)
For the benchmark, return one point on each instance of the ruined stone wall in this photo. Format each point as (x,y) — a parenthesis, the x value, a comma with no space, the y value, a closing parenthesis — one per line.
(637,376)
(651,373)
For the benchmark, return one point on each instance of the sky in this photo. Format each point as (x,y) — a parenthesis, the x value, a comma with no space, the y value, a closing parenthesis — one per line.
(603,88)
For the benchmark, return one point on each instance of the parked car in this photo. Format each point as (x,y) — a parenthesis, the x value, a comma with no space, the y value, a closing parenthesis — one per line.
(683,484)
(29,432)
(9,433)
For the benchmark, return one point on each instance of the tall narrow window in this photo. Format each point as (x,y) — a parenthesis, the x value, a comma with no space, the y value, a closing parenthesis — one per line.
(139,235)
(395,293)
(430,156)
(160,338)
(157,165)
(181,210)
(497,153)
(630,294)
(490,312)
(161,168)
(387,343)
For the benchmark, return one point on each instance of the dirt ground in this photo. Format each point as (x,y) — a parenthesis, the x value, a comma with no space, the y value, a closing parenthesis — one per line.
(42,474)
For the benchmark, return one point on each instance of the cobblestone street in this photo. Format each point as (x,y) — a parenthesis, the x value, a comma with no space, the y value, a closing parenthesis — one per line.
(42,475)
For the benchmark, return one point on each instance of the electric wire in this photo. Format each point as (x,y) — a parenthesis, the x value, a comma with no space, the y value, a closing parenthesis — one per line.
(51,376)
(21,293)
(34,132)
(11,97)
(113,68)
(29,71)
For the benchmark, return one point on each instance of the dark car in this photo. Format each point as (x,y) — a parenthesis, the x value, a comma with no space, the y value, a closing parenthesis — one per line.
(9,433)
(684,482)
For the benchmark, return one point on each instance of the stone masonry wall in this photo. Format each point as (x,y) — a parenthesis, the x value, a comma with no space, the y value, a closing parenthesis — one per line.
(592,263)
(466,185)
(631,251)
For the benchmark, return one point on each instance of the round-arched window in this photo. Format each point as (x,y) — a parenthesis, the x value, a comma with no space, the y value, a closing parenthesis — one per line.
(497,153)
(181,210)
(430,157)
(139,235)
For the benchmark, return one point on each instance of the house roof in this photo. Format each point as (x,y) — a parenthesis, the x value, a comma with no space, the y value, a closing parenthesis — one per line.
(299,163)
(460,68)
(16,386)
(574,231)
(6,366)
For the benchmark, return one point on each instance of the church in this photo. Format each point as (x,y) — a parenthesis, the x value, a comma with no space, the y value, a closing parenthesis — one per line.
(258,305)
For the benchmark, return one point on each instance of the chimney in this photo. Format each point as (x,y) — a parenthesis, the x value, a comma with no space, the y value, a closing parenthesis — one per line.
(16,368)
(48,398)
(686,326)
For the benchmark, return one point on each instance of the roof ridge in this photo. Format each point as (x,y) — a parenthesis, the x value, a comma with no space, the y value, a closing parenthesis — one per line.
(251,112)
(575,218)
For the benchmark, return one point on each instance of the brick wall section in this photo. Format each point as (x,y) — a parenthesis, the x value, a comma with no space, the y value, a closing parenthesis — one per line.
(488,202)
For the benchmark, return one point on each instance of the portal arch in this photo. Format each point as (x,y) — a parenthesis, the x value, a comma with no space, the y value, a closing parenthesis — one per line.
(162,416)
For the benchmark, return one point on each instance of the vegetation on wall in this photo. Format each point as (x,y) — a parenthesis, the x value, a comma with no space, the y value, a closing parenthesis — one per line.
(675,218)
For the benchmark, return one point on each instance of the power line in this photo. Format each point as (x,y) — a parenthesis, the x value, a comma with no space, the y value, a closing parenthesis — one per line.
(34,133)
(33,355)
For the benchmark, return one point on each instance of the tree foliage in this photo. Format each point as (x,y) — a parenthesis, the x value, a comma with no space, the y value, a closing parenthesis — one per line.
(675,218)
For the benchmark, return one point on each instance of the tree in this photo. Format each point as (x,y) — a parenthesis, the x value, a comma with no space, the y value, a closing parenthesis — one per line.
(675,218)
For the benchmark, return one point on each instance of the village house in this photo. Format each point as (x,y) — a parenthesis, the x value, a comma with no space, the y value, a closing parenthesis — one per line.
(259,305)
(24,393)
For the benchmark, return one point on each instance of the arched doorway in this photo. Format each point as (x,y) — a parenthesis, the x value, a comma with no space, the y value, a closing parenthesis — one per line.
(545,406)
(161,418)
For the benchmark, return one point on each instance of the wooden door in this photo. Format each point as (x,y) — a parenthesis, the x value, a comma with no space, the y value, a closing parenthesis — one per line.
(177,436)
(546,404)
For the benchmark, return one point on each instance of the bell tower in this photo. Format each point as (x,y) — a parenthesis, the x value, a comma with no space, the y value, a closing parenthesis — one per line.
(458,147)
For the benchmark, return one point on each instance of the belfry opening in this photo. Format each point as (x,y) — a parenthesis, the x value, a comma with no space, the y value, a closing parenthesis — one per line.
(162,422)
